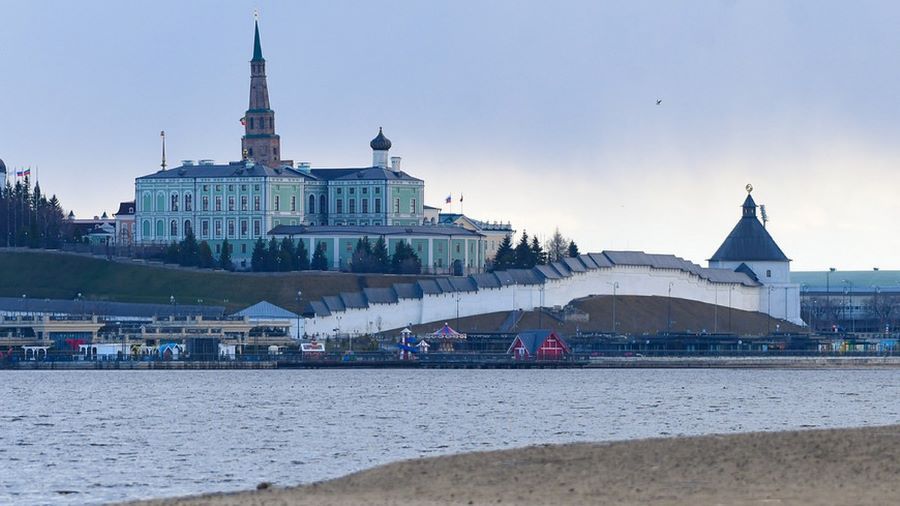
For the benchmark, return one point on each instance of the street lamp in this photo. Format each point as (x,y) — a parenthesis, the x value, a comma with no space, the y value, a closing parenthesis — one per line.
(848,291)
(828,294)
(669,310)
(457,311)
(174,306)
(299,311)
(541,309)
(615,285)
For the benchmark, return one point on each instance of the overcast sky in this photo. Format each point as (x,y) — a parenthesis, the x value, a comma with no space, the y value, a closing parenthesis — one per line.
(540,113)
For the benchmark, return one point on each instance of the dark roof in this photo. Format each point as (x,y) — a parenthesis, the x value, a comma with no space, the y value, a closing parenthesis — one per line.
(574,264)
(747,270)
(319,308)
(233,169)
(547,272)
(333,302)
(428,286)
(600,259)
(588,261)
(485,280)
(749,240)
(461,284)
(380,142)
(407,291)
(372,230)
(380,295)
(364,173)
(125,209)
(561,269)
(524,277)
(101,308)
(257,47)
(354,300)
(445,285)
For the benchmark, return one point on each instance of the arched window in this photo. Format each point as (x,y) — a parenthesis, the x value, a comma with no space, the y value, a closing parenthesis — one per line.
(323,204)
(160,229)
(174,201)
(312,205)
(147,203)
(145,229)
(187,227)
(173,229)
(160,202)
(188,202)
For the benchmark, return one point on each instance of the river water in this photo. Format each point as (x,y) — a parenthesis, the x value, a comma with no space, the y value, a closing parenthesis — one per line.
(82,437)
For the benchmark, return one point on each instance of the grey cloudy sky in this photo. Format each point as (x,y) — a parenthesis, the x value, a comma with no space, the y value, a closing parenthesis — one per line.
(540,113)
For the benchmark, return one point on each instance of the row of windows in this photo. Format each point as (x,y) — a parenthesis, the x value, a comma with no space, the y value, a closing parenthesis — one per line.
(174,204)
(217,225)
(352,190)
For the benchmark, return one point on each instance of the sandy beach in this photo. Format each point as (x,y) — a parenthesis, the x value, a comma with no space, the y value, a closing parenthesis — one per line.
(841,466)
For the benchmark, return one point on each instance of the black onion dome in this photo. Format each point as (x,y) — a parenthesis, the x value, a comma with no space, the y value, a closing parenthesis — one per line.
(380,142)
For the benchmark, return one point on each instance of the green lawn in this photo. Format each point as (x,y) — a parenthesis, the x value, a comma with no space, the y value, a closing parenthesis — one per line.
(42,274)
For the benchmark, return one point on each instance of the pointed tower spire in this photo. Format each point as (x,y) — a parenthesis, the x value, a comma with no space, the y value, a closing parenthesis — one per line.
(257,47)
(260,142)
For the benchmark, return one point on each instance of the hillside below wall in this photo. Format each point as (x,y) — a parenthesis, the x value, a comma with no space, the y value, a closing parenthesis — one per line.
(625,280)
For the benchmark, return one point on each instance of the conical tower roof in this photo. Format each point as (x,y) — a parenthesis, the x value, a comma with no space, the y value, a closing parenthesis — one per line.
(749,240)
(257,47)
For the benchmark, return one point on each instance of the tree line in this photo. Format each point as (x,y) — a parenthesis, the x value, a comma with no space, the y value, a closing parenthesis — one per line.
(29,219)
(530,252)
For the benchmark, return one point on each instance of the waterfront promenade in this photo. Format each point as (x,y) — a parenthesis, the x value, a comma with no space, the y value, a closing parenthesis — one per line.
(838,466)
(486,361)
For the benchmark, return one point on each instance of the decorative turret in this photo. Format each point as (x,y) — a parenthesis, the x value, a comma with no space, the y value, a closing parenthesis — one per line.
(380,146)
(260,141)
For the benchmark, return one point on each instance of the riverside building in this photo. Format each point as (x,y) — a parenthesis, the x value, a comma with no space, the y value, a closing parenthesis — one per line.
(263,195)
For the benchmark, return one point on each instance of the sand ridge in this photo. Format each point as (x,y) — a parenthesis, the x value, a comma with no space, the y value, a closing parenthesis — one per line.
(838,466)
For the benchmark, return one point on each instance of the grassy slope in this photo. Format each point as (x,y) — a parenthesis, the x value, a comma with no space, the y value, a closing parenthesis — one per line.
(635,315)
(58,275)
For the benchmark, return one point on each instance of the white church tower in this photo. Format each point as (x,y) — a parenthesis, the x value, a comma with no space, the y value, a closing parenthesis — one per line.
(750,249)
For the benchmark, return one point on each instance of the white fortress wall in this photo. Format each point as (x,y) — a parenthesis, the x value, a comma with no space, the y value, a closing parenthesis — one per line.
(632,280)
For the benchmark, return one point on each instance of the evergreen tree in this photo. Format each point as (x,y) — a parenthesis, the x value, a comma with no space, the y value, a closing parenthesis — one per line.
(205,256)
(302,260)
(319,259)
(380,256)
(572,250)
(505,258)
(189,252)
(173,253)
(405,260)
(288,256)
(537,252)
(523,253)
(556,246)
(225,256)
(362,259)
(272,256)
(258,257)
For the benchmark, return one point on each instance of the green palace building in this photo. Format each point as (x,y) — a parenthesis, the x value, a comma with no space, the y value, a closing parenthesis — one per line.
(263,196)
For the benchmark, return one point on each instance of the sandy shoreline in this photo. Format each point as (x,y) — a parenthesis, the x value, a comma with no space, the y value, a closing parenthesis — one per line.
(837,466)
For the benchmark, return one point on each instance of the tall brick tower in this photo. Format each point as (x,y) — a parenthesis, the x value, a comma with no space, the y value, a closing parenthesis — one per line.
(260,141)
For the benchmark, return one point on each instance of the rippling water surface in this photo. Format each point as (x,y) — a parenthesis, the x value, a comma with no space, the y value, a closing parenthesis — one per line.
(97,436)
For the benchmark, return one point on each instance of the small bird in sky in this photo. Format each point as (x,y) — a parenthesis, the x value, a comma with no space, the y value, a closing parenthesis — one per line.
(658,101)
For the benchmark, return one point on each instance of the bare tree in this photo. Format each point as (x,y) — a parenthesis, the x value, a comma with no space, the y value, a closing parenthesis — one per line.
(557,246)
(882,307)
